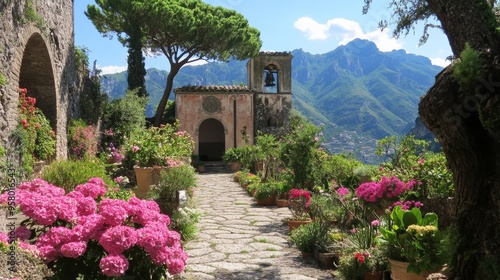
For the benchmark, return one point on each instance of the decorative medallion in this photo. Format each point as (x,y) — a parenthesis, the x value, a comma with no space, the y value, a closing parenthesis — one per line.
(211,104)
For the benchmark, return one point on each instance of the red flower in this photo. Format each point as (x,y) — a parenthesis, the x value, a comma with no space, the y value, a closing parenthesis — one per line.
(360,257)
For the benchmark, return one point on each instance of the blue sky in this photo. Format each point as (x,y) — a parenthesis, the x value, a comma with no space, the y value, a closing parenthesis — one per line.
(316,26)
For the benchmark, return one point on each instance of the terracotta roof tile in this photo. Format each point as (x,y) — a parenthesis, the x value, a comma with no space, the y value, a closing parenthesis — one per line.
(212,89)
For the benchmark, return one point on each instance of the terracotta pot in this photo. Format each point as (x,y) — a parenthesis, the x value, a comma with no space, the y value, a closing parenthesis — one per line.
(270,201)
(398,272)
(201,168)
(307,255)
(235,166)
(146,177)
(293,224)
(326,260)
(377,275)
(282,202)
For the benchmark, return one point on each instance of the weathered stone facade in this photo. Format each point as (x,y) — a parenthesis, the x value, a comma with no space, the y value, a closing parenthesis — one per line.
(37,53)
(221,117)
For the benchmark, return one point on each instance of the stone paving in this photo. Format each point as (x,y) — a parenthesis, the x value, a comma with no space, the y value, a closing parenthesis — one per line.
(238,239)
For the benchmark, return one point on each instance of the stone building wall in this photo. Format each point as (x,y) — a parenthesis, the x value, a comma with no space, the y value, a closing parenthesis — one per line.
(272,113)
(37,52)
(194,105)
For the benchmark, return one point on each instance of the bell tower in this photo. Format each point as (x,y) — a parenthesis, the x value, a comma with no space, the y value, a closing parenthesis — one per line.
(270,72)
(270,80)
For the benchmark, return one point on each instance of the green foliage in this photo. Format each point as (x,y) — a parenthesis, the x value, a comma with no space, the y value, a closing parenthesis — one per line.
(408,159)
(31,16)
(325,208)
(414,238)
(339,168)
(3,80)
(306,236)
(184,220)
(176,178)
(45,143)
(469,69)
(135,61)
(123,116)
(92,100)
(67,174)
(233,154)
(299,152)
(157,146)
(194,31)
(81,59)
(264,190)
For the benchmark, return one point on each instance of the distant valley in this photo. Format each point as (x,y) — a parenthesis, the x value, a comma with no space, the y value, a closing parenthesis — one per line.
(356,92)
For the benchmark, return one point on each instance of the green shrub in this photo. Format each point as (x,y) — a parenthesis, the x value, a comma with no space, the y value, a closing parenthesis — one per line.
(122,116)
(174,179)
(67,174)
(306,236)
(184,221)
(234,154)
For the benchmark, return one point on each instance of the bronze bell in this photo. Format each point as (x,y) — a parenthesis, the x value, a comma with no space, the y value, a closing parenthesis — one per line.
(269,79)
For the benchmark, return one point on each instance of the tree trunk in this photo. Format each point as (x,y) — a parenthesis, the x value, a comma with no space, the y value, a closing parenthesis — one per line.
(467,125)
(166,94)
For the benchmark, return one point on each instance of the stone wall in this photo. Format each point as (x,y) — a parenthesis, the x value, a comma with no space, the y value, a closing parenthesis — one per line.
(37,52)
(272,113)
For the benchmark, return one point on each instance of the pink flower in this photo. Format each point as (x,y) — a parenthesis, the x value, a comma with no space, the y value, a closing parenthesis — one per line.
(88,226)
(92,188)
(73,249)
(113,265)
(316,139)
(86,206)
(135,149)
(353,231)
(117,239)
(375,223)
(114,211)
(23,233)
(48,253)
(343,191)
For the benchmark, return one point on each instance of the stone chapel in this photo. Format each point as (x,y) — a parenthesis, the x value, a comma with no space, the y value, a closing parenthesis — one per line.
(221,117)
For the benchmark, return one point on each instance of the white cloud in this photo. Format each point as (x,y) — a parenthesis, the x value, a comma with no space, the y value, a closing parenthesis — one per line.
(345,31)
(111,69)
(440,61)
(196,63)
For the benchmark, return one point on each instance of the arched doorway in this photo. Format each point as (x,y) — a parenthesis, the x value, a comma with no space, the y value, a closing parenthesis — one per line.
(211,140)
(37,76)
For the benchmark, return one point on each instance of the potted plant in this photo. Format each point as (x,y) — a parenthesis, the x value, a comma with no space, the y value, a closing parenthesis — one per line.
(305,238)
(368,264)
(265,193)
(200,166)
(150,150)
(282,194)
(233,156)
(298,203)
(412,243)
(247,179)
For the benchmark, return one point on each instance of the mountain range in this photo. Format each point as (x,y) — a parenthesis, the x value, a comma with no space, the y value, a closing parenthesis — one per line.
(358,93)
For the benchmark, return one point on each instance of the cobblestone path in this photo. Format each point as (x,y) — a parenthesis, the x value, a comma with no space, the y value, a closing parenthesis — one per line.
(239,240)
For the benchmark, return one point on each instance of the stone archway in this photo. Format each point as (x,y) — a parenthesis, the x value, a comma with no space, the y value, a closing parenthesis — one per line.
(211,140)
(37,75)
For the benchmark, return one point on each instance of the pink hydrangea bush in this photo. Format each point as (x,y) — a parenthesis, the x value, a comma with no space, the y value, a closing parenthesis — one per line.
(82,226)
(387,189)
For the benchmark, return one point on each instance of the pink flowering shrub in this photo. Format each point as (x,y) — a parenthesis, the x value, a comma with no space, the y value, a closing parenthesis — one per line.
(298,203)
(96,237)
(387,189)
